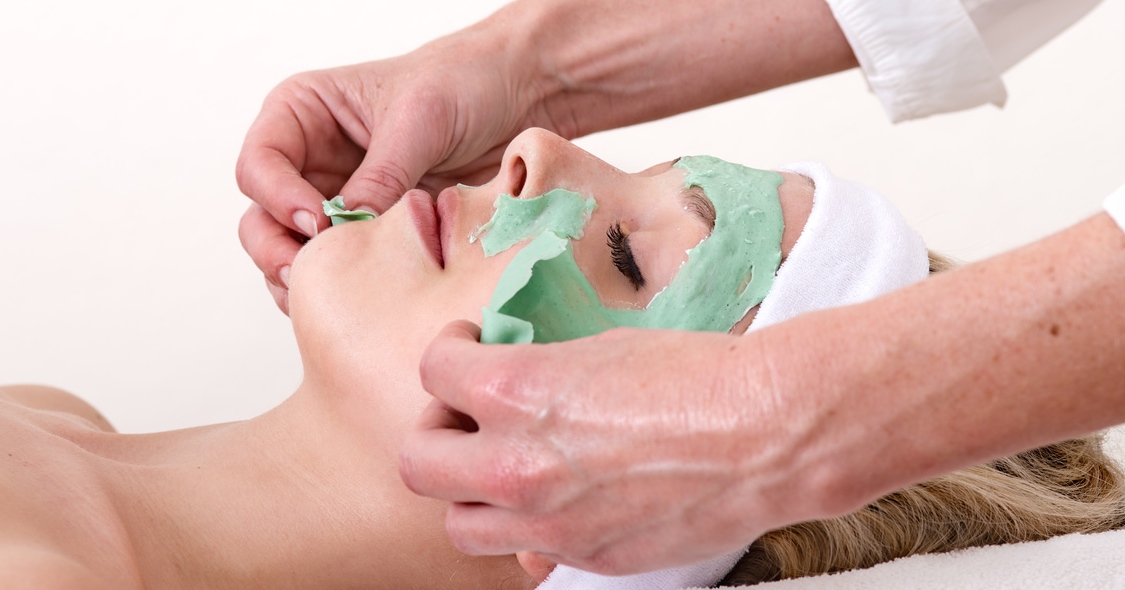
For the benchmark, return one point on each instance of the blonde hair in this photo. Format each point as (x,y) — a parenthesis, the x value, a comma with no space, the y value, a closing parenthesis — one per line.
(1067,487)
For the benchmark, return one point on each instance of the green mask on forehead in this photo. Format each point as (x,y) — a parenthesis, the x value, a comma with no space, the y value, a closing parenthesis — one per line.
(542,296)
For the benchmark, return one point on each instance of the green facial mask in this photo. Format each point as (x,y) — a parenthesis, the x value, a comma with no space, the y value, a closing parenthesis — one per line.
(543,296)
(336,212)
(560,211)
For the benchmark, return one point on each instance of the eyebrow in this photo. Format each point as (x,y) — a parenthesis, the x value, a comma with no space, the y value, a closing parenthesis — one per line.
(696,202)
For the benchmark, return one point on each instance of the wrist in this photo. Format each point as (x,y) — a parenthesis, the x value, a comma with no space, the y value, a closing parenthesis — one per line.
(818,371)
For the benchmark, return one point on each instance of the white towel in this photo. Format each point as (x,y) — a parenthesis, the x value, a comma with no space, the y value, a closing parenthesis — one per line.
(855,246)
(707,573)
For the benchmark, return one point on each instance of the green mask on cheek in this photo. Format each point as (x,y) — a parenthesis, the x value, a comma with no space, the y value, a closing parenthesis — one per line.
(542,296)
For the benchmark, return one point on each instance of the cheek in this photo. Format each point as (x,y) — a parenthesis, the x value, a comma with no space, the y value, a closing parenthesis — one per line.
(356,280)
(361,286)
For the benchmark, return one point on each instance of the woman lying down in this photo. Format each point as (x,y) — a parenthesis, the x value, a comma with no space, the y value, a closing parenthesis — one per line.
(308,494)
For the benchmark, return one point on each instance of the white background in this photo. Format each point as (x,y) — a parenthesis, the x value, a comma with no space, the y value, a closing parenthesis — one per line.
(121,275)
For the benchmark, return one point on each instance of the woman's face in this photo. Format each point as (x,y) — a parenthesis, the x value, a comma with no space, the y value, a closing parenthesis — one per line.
(393,282)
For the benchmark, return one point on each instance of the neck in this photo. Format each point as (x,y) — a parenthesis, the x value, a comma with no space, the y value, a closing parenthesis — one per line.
(271,502)
(305,496)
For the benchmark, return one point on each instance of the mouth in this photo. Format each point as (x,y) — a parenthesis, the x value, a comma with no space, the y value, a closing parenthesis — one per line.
(424,213)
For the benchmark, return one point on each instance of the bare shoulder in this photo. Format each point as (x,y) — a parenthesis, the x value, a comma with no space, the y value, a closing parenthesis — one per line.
(27,567)
(52,399)
(56,518)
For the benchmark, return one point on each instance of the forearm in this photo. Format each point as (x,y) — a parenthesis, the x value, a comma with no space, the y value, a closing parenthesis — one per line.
(999,356)
(595,65)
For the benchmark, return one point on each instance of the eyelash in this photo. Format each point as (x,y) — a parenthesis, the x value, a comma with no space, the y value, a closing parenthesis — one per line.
(618,242)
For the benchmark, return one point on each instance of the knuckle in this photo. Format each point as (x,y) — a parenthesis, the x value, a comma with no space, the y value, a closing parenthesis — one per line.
(529,481)
(249,228)
(248,171)
(433,361)
(604,561)
(559,536)
(496,384)
(241,172)
(382,179)
(407,469)
(428,103)
(300,79)
(505,484)
(295,86)
(246,228)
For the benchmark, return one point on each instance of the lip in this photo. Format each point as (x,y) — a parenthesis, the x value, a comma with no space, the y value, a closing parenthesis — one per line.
(446,208)
(427,221)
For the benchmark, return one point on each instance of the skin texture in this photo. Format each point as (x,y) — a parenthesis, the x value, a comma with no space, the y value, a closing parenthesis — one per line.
(781,429)
(308,495)
(988,339)
(443,113)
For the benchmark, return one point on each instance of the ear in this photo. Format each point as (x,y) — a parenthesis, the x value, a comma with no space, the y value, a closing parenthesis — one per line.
(536,566)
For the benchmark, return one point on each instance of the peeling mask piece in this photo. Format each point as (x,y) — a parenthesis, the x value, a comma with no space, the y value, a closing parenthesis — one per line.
(336,212)
(543,296)
(560,211)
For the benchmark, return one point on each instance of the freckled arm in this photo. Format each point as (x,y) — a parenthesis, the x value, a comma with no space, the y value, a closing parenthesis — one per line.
(1000,356)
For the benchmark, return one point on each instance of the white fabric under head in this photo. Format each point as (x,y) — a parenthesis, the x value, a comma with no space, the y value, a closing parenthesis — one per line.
(855,247)
(700,575)
(1115,206)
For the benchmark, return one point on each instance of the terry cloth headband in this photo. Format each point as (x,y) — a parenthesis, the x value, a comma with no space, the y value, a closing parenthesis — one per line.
(855,246)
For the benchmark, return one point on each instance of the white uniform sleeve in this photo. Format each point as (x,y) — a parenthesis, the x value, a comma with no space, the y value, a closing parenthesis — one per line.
(923,57)
(1115,206)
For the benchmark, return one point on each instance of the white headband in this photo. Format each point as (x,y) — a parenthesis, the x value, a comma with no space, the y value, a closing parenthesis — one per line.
(855,246)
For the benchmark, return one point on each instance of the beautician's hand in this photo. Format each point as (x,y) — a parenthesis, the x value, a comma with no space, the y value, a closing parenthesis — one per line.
(632,450)
(370,132)
(638,450)
(444,112)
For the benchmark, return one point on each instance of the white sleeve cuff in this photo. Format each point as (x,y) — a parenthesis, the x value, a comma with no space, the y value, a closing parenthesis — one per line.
(920,57)
(1013,29)
(1115,206)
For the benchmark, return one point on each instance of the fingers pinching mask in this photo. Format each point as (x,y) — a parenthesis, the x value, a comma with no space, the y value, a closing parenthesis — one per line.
(338,214)
(542,296)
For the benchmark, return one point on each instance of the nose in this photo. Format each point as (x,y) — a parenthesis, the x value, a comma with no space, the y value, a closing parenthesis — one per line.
(537,161)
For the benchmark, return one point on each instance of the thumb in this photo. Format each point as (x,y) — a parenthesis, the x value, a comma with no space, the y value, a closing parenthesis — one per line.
(399,154)
(460,330)
(450,363)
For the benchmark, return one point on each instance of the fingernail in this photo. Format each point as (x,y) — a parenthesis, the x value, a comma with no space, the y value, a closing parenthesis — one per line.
(305,222)
(284,274)
(370,210)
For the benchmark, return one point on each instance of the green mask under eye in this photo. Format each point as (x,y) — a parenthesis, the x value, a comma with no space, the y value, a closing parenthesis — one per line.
(543,296)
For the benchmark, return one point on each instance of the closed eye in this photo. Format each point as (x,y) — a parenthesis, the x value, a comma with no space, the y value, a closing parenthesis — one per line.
(618,241)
